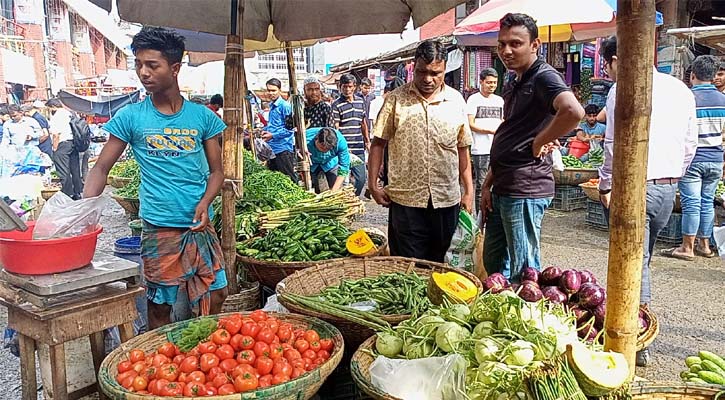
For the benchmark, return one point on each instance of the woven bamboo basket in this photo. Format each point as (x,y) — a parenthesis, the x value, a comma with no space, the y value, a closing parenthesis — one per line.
(131,205)
(47,193)
(246,300)
(118,181)
(313,280)
(590,190)
(270,273)
(360,370)
(648,336)
(302,388)
(574,176)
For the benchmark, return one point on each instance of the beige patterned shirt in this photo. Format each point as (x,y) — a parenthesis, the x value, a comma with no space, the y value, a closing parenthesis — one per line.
(424,137)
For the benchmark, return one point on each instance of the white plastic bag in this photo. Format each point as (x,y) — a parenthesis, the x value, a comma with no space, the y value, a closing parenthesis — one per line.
(64,217)
(558,163)
(719,233)
(273,305)
(434,378)
(463,244)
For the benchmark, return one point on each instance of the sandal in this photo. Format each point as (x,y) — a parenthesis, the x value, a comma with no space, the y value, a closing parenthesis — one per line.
(701,253)
(671,253)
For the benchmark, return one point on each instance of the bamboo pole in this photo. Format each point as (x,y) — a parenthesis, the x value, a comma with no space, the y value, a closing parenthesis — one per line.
(299,117)
(234,100)
(635,54)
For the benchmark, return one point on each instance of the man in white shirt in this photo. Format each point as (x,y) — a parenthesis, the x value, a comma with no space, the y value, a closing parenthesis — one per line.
(19,130)
(65,156)
(485,114)
(672,145)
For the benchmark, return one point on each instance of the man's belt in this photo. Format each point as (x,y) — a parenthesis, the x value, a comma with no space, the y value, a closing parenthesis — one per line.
(664,181)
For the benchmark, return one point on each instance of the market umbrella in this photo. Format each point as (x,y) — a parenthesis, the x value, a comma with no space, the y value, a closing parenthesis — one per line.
(291,21)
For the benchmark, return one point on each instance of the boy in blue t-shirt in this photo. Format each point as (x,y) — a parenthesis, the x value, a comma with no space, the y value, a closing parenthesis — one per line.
(176,144)
(591,131)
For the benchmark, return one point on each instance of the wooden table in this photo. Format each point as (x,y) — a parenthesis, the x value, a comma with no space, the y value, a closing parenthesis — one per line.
(69,306)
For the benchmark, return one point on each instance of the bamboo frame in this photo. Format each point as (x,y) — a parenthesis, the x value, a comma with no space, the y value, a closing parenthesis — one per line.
(635,50)
(299,117)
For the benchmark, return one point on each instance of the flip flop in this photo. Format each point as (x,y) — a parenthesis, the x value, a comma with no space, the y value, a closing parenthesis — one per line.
(671,253)
(699,252)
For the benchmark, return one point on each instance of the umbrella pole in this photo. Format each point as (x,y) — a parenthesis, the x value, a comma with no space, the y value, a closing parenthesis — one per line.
(299,117)
(635,41)
(234,99)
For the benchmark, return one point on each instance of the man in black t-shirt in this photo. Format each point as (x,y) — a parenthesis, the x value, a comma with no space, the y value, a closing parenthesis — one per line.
(538,109)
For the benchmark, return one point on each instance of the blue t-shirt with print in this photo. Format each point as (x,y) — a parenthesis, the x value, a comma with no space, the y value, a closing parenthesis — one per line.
(170,153)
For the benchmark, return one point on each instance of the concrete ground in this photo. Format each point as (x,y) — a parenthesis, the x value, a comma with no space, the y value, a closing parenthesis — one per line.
(688,296)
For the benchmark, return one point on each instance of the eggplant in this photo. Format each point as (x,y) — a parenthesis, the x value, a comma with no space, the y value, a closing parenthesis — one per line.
(591,295)
(496,282)
(587,276)
(599,313)
(550,276)
(569,281)
(530,274)
(554,294)
(530,291)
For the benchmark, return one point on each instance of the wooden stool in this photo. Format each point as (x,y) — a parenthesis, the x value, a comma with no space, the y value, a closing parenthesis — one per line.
(89,314)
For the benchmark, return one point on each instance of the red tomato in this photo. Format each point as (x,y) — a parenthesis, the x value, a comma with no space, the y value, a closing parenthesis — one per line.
(315,345)
(155,386)
(246,382)
(292,354)
(323,354)
(326,344)
(311,336)
(167,371)
(279,378)
(228,365)
(124,366)
(194,389)
(276,351)
(149,372)
(284,332)
(168,349)
(242,369)
(236,342)
(210,390)
(250,329)
(123,375)
(319,361)
(302,345)
(197,377)
(221,336)
(282,368)
(136,355)
(264,365)
(298,334)
(207,347)
(261,349)
(159,360)
(246,357)
(139,366)
(225,352)
(172,389)
(273,324)
(266,335)
(225,389)
(258,315)
(247,343)
(127,382)
(190,364)
(298,363)
(207,361)
(214,371)
(183,377)
(220,380)
(178,359)
(194,352)
(265,381)
(287,346)
(311,354)
(296,372)
(309,364)
(232,325)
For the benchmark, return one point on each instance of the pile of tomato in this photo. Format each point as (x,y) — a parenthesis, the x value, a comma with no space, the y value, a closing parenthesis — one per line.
(243,354)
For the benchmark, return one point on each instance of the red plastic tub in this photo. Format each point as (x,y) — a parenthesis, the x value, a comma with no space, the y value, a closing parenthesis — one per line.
(20,254)
(578,148)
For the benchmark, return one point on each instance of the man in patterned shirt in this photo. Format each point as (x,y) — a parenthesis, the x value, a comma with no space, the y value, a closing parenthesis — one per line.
(424,125)
(348,113)
(318,114)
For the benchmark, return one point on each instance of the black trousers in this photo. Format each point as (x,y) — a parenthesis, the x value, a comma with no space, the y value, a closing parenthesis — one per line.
(330,177)
(67,164)
(423,233)
(284,162)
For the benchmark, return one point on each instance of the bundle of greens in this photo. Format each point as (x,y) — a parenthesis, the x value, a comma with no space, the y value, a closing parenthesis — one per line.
(197,331)
(340,205)
(125,169)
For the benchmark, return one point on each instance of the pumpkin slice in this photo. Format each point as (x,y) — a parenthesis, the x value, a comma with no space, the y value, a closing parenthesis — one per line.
(451,285)
(597,372)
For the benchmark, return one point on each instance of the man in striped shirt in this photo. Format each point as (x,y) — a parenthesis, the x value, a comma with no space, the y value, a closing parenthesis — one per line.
(348,113)
(698,185)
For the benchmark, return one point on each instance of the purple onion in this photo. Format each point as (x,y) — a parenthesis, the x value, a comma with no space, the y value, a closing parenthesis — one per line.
(591,295)
(587,276)
(495,282)
(530,291)
(530,274)
(570,282)
(554,294)
(550,276)
(599,313)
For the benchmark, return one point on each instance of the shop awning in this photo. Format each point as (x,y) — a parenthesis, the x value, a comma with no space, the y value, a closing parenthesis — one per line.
(710,36)
(18,68)
(100,20)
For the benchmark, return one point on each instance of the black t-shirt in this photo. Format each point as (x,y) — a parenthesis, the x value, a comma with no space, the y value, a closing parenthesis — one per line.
(319,115)
(528,108)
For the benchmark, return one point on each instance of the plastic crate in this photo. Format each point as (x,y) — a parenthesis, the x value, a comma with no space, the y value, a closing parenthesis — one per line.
(568,198)
(672,232)
(595,215)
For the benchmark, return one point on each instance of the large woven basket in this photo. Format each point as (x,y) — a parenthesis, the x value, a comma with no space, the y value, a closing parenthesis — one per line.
(118,181)
(590,190)
(313,280)
(301,388)
(131,205)
(270,273)
(246,300)
(574,176)
(646,338)
(360,370)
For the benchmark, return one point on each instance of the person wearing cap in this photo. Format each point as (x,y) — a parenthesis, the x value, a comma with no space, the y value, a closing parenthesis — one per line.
(329,155)
(33,111)
(318,114)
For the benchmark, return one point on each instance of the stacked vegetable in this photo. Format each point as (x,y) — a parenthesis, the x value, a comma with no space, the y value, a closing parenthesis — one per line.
(578,290)
(572,162)
(238,354)
(596,158)
(706,367)
(512,346)
(305,238)
(340,204)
